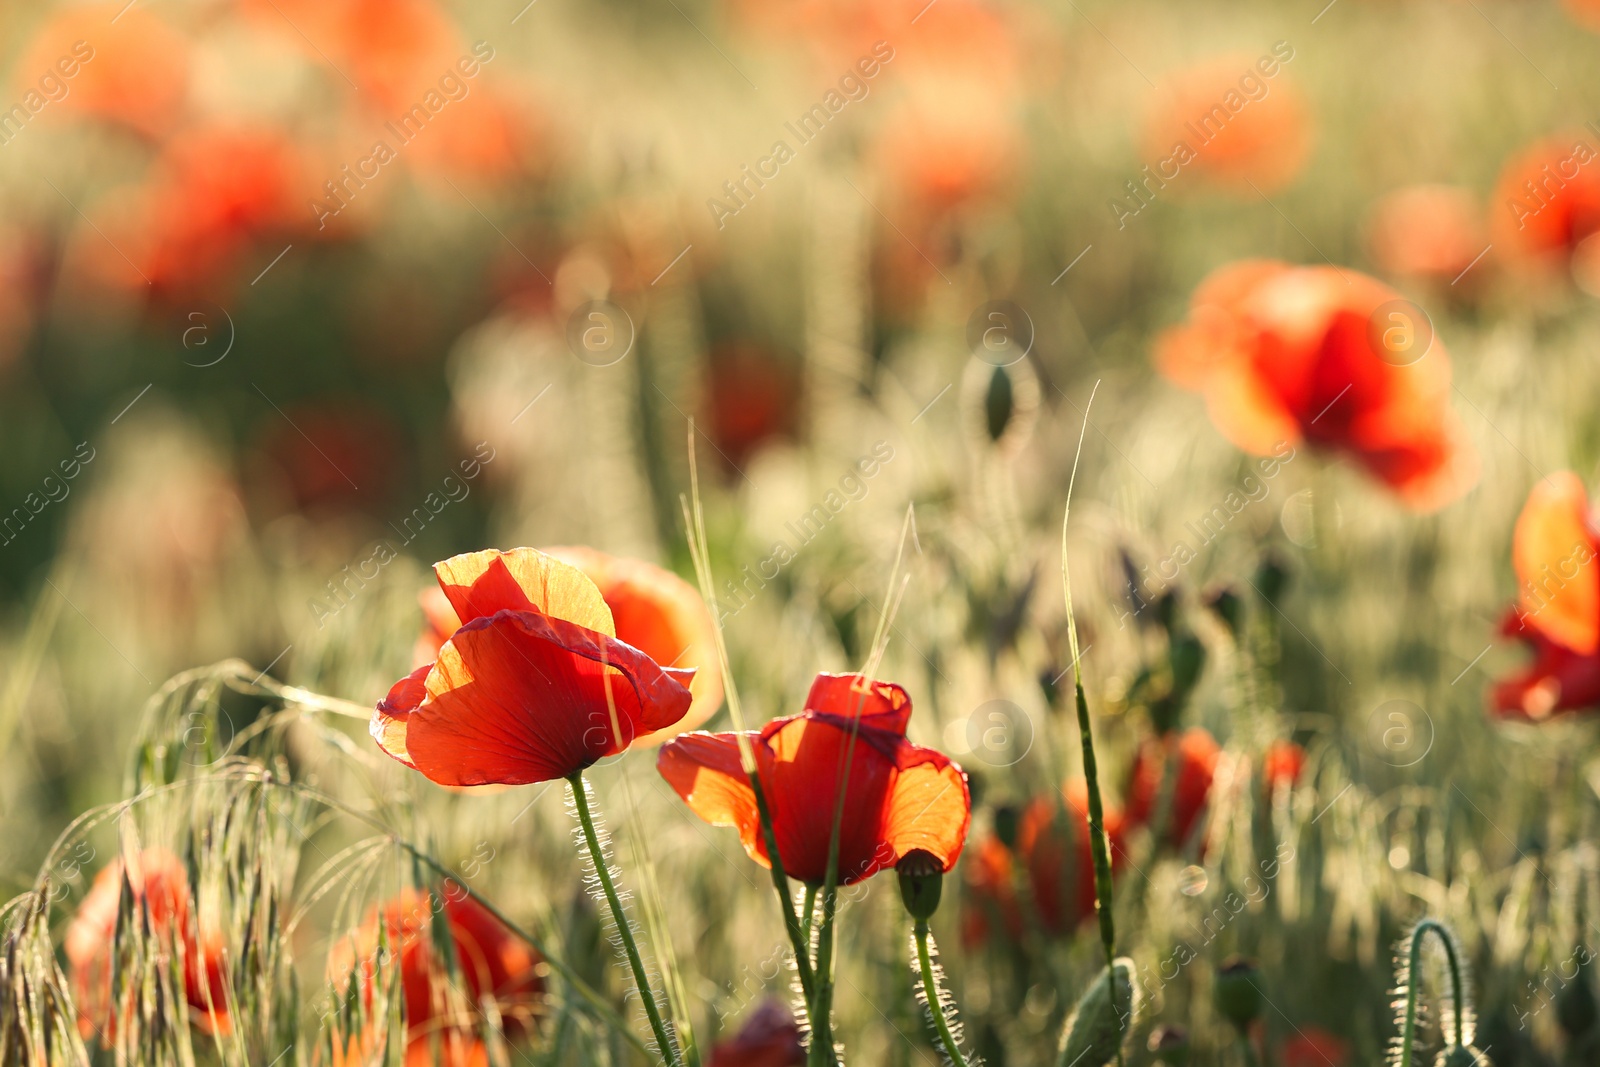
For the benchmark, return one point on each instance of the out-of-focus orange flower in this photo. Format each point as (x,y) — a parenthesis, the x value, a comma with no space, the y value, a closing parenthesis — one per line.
(1331,357)
(940,154)
(1227,120)
(1312,1046)
(120,64)
(330,455)
(533,686)
(1060,878)
(1431,231)
(1558,607)
(900,798)
(653,609)
(494,964)
(160,886)
(752,397)
(770,1037)
(1548,197)
(1196,753)
(1281,765)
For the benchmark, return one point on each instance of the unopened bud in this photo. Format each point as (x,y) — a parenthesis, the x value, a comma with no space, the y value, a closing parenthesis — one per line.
(1238,994)
(1100,1022)
(1170,1045)
(921,882)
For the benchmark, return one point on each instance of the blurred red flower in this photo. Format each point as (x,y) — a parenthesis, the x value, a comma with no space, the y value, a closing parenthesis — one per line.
(1196,753)
(1235,126)
(1548,197)
(527,689)
(770,1037)
(653,609)
(900,797)
(1558,608)
(493,964)
(753,398)
(1281,765)
(1314,1047)
(127,65)
(160,887)
(1287,354)
(1426,231)
(1060,879)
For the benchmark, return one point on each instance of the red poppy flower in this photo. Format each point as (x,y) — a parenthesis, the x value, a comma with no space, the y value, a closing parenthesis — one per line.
(492,962)
(1431,231)
(1558,609)
(119,64)
(1287,354)
(1196,752)
(1061,879)
(770,1037)
(160,885)
(1314,1047)
(901,798)
(1281,765)
(533,686)
(1551,193)
(1227,121)
(653,609)
(752,396)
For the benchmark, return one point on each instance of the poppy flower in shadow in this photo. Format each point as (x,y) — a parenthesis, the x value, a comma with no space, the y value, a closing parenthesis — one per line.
(1231,122)
(1286,355)
(1173,801)
(1426,231)
(1558,609)
(114,63)
(1060,875)
(1551,197)
(653,610)
(899,797)
(533,686)
(752,394)
(492,964)
(770,1037)
(1312,1046)
(159,885)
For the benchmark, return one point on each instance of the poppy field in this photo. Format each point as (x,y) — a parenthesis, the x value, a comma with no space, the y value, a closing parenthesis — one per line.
(730,534)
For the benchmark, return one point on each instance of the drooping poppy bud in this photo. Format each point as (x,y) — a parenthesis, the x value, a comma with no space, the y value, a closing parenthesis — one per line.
(1104,1016)
(1238,993)
(1170,1045)
(921,882)
(1229,607)
(1006,821)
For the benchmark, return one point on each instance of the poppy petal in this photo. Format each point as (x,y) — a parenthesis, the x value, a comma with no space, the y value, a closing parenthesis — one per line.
(1553,549)
(523,579)
(881,705)
(388,726)
(929,809)
(706,771)
(809,753)
(519,697)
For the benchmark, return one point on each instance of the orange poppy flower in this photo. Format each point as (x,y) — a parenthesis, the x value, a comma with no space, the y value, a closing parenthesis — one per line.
(1281,765)
(1549,197)
(493,964)
(126,65)
(1313,1046)
(1558,608)
(160,885)
(1061,879)
(533,686)
(1426,231)
(900,798)
(1227,120)
(653,609)
(1196,752)
(1287,354)
(770,1037)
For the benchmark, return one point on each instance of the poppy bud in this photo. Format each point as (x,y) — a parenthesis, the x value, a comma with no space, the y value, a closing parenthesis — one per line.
(921,882)
(998,404)
(1170,1045)
(1238,997)
(1229,607)
(1188,658)
(1167,609)
(1462,1056)
(1100,1021)
(1272,577)
(1006,821)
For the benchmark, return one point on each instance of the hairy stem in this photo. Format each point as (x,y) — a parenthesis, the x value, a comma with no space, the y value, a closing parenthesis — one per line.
(580,800)
(930,990)
(1458,991)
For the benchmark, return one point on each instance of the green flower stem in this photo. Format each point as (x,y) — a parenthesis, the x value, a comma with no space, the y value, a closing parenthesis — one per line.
(930,989)
(580,800)
(811,912)
(1249,1053)
(822,1053)
(1458,993)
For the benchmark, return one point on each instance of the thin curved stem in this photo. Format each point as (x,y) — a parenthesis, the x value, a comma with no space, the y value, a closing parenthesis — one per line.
(1458,992)
(580,800)
(930,989)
